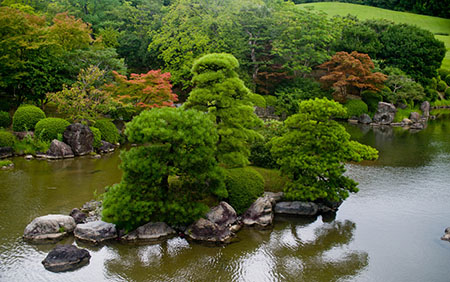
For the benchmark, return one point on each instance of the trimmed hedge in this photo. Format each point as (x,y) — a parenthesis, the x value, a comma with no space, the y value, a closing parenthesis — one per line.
(97,137)
(7,139)
(244,186)
(257,100)
(108,131)
(48,129)
(441,86)
(5,119)
(26,117)
(447,93)
(355,108)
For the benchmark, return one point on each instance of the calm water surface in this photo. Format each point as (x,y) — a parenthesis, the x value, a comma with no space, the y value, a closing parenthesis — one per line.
(389,231)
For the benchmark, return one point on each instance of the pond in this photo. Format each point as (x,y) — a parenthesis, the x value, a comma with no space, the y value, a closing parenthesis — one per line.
(389,231)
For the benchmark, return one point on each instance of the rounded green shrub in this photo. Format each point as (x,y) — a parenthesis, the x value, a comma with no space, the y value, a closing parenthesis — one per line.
(48,129)
(372,99)
(270,100)
(7,139)
(5,119)
(26,117)
(447,93)
(443,73)
(97,137)
(441,86)
(244,186)
(257,100)
(447,79)
(108,131)
(355,108)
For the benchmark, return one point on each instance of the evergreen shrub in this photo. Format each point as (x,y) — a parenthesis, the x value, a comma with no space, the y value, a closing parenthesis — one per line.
(355,108)
(244,186)
(447,80)
(48,129)
(5,119)
(97,137)
(447,93)
(6,139)
(372,99)
(441,86)
(108,131)
(26,117)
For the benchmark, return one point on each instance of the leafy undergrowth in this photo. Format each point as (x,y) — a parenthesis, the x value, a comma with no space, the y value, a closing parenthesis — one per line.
(273,180)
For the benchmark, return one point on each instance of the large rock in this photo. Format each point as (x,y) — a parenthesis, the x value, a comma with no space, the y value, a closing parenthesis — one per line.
(6,152)
(90,206)
(425,107)
(80,138)
(93,209)
(78,216)
(414,117)
(385,113)
(223,214)
(208,231)
(151,231)
(365,119)
(106,147)
(59,150)
(259,213)
(95,231)
(274,197)
(296,208)
(446,236)
(49,227)
(66,257)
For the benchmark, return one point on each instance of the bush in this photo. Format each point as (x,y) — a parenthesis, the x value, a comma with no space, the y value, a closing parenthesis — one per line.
(372,99)
(443,73)
(260,150)
(30,145)
(26,117)
(447,93)
(6,139)
(97,137)
(257,100)
(270,100)
(108,131)
(48,129)
(447,79)
(355,108)
(244,186)
(5,119)
(441,86)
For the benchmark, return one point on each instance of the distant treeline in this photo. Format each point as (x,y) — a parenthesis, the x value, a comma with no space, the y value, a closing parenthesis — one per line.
(438,8)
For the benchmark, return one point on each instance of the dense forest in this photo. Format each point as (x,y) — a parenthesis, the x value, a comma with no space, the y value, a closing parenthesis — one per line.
(438,8)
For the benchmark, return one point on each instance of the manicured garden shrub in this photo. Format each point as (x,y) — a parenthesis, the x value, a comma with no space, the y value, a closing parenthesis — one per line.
(257,100)
(5,119)
(443,73)
(372,99)
(270,100)
(48,129)
(244,186)
(108,130)
(26,117)
(260,150)
(447,93)
(355,108)
(97,137)
(447,79)
(441,86)
(6,139)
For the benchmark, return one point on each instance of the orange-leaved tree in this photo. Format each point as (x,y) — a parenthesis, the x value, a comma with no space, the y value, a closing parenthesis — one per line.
(351,74)
(147,90)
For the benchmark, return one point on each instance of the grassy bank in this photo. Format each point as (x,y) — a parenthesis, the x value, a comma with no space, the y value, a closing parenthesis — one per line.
(438,26)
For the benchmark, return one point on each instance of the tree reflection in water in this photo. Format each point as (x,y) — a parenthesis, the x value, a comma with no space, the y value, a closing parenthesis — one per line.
(294,250)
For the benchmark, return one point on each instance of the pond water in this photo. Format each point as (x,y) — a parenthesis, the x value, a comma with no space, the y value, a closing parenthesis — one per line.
(389,231)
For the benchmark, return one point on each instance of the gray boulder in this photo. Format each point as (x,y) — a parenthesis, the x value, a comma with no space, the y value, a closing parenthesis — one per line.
(95,231)
(446,236)
(417,126)
(414,117)
(6,152)
(106,147)
(259,213)
(274,197)
(407,121)
(92,205)
(80,138)
(78,216)
(425,107)
(59,150)
(365,119)
(296,208)
(49,227)
(208,231)
(223,214)
(66,257)
(151,231)
(385,113)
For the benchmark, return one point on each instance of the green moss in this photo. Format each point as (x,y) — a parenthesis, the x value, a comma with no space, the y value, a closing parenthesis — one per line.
(244,186)
(7,139)
(108,131)
(26,117)
(48,129)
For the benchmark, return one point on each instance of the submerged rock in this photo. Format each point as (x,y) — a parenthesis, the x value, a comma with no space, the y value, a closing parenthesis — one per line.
(95,231)
(223,214)
(385,113)
(49,227)
(59,150)
(297,208)
(446,236)
(259,213)
(66,257)
(80,138)
(151,231)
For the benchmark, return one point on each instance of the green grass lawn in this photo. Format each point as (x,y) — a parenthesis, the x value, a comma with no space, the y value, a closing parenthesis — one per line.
(433,24)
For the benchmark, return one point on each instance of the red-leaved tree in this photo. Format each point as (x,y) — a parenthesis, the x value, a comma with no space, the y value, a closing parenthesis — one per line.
(351,74)
(147,90)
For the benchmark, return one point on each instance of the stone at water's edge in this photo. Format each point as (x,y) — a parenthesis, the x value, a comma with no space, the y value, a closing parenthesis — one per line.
(49,227)
(207,231)
(6,152)
(259,213)
(385,113)
(414,117)
(274,197)
(446,236)
(106,147)
(365,119)
(407,121)
(223,214)
(78,216)
(297,208)
(150,232)
(425,107)
(80,138)
(59,150)
(66,257)
(92,205)
(95,231)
